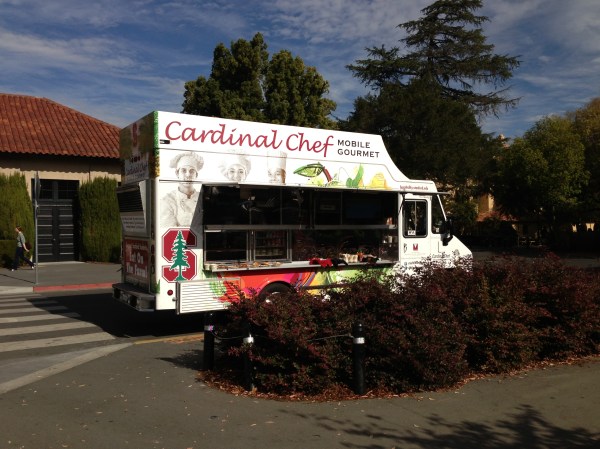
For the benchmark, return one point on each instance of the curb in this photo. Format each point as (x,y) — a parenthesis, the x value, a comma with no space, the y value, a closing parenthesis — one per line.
(46,288)
(15,290)
(5,291)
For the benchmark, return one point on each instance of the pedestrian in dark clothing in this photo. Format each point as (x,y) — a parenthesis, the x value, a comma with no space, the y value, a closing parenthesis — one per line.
(21,249)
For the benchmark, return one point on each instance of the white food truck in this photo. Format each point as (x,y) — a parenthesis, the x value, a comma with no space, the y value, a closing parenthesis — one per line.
(211,207)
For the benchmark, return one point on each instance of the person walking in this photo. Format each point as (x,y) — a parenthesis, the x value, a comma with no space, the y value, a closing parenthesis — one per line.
(20,251)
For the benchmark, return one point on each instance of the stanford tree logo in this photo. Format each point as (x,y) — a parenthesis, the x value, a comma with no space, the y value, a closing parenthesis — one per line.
(179,257)
(176,251)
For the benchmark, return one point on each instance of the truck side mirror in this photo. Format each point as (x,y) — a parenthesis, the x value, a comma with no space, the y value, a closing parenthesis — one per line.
(448,232)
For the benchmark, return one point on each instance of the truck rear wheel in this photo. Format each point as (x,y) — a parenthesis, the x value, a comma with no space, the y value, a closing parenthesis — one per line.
(276,288)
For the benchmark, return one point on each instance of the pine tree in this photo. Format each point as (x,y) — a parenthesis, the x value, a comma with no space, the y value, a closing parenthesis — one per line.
(449,51)
(244,84)
(179,256)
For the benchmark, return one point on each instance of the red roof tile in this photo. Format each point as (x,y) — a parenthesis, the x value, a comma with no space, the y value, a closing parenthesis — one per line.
(33,125)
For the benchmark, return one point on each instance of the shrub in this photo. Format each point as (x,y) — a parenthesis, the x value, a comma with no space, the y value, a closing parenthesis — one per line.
(497,320)
(100,221)
(528,310)
(422,332)
(291,351)
(413,342)
(15,210)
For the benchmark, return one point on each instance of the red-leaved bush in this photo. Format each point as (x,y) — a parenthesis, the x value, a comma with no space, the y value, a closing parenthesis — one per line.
(422,332)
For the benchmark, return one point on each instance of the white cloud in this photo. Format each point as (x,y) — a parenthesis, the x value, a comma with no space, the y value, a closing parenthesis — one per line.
(343,21)
(120,59)
(85,54)
(101,13)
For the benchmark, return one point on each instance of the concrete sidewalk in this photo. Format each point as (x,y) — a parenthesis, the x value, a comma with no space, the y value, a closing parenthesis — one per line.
(57,276)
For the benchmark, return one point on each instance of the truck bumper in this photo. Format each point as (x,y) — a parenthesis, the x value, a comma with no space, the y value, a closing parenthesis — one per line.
(134,297)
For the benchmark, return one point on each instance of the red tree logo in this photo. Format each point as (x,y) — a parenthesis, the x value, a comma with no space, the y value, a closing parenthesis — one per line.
(176,250)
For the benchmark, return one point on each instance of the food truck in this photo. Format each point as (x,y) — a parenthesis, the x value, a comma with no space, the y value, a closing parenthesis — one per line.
(212,207)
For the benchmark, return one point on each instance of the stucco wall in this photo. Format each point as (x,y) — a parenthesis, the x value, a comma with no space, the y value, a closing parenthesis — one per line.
(64,168)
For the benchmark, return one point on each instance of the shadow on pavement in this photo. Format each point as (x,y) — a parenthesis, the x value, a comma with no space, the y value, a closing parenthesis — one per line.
(526,428)
(121,321)
(191,359)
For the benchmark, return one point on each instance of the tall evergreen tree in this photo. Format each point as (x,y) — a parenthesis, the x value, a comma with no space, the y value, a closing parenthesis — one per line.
(244,84)
(233,89)
(295,94)
(449,50)
(427,96)
(429,137)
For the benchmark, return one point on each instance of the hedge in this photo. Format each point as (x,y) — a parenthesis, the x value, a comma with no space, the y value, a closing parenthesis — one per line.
(100,221)
(422,332)
(15,210)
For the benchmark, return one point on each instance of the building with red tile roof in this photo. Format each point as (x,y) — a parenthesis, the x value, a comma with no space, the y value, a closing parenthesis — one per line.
(39,126)
(65,148)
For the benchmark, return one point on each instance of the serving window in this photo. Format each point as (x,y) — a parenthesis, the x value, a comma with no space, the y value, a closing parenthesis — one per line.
(252,223)
(379,243)
(226,246)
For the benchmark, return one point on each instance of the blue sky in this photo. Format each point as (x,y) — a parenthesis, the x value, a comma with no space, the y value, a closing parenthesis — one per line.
(117,60)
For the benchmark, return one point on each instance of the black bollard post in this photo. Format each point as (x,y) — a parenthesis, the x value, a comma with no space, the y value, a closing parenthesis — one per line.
(208,362)
(358,358)
(248,378)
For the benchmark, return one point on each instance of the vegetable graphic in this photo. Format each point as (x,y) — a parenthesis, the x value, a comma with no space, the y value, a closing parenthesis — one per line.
(379,181)
(312,170)
(356,182)
(316,168)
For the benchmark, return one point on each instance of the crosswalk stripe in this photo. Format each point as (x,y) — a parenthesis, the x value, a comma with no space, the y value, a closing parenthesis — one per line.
(56,341)
(32,308)
(49,316)
(7,304)
(23,298)
(45,328)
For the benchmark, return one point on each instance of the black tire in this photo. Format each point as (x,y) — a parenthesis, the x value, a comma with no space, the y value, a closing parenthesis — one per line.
(276,288)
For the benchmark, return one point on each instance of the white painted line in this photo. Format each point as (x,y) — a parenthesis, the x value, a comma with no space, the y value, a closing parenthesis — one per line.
(42,317)
(45,328)
(60,367)
(7,304)
(32,308)
(56,341)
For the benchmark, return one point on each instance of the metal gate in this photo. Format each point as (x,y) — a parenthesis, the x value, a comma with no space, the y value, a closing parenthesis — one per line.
(57,221)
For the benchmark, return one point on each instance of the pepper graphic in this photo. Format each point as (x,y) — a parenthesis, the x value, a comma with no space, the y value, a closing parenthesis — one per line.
(312,170)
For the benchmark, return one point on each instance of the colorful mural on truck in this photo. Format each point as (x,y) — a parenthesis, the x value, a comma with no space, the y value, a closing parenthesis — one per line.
(262,153)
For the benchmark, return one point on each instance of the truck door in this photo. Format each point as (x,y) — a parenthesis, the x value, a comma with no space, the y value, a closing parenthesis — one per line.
(438,229)
(415,244)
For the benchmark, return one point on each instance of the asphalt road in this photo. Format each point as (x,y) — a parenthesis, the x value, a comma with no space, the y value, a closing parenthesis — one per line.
(147,396)
(140,390)
(40,331)
(122,321)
